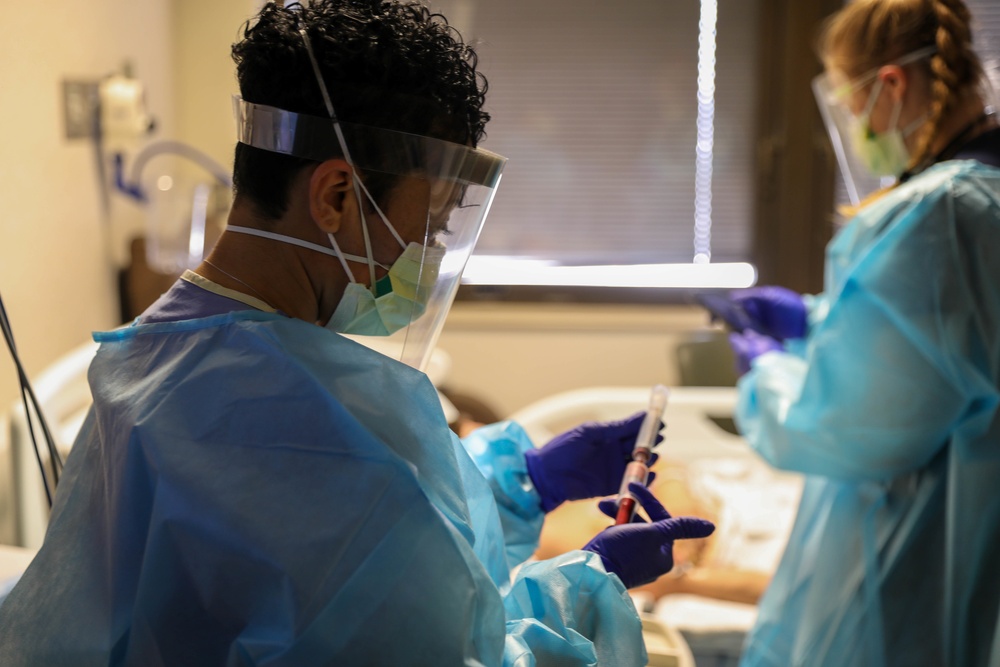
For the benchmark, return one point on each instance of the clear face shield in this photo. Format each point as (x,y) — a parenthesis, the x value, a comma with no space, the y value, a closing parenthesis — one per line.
(429,221)
(848,126)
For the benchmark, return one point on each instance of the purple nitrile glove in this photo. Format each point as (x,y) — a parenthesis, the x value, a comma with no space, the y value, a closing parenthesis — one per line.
(749,345)
(586,462)
(640,552)
(777,312)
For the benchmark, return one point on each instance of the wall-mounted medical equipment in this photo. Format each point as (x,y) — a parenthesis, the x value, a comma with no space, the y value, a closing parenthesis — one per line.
(185,201)
(184,192)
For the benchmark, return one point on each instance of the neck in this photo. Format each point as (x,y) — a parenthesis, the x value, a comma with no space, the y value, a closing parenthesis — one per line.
(276,273)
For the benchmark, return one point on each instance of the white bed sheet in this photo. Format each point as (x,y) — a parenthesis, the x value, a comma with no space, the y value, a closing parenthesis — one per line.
(754,508)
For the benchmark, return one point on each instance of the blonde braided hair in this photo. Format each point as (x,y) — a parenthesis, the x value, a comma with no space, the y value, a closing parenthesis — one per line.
(955,69)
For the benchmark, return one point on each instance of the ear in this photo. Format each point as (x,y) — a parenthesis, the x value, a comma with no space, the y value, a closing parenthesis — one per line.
(330,192)
(895,81)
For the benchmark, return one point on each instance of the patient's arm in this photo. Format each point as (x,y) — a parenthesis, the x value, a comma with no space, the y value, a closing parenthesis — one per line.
(720,583)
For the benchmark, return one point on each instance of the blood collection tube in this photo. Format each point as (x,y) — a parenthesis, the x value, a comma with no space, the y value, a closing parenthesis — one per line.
(638,469)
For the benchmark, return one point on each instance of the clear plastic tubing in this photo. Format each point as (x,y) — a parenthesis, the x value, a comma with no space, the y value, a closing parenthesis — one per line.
(638,469)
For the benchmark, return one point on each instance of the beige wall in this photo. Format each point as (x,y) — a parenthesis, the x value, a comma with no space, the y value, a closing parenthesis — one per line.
(510,355)
(205,76)
(55,277)
(57,272)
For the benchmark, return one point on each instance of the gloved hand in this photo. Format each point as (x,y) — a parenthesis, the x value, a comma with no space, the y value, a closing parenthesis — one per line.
(749,345)
(775,311)
(586,462)
(640,552)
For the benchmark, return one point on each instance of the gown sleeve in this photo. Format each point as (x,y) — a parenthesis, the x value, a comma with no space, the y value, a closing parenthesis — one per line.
(876,389)
(568,610)
(562,611)
(498,451)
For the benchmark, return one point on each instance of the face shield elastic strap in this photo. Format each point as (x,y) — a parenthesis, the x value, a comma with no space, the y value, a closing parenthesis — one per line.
(356,180)
(871,75)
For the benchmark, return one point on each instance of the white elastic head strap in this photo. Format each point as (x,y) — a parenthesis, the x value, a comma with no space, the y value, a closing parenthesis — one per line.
(355,180)
(340,256)
(871,75)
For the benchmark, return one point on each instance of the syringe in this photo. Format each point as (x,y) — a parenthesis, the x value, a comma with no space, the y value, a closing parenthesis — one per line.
(638,469)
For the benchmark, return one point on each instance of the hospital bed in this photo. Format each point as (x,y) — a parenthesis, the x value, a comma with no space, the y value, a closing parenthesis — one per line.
(753,505)
(64,395)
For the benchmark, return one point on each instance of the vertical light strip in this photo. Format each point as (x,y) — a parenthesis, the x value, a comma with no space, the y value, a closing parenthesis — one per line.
(706,132)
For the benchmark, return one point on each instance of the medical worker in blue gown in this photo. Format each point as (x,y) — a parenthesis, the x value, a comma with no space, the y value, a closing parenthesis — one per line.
(884,389)
(255,486)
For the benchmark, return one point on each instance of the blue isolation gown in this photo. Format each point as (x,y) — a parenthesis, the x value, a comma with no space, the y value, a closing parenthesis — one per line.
(890,409)
(251,489)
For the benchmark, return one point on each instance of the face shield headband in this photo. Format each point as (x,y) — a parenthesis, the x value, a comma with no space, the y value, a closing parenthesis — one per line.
(458,183)
(372,148)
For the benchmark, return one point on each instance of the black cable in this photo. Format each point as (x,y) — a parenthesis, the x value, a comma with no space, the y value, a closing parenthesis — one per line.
(34,443)
(28,396)
(28,393)
(55,457)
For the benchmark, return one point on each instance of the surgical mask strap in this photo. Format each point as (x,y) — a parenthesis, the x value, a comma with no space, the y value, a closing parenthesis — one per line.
(335,252)
(872,99)
(897,109)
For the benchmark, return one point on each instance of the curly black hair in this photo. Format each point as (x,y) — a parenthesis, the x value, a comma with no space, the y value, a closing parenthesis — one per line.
(392,65)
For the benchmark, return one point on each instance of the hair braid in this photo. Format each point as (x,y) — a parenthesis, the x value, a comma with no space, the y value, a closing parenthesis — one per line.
(953,69)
